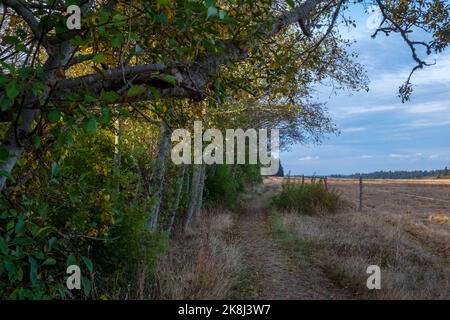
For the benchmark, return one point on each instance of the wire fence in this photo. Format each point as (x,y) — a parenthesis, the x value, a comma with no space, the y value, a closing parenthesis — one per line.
(372,193)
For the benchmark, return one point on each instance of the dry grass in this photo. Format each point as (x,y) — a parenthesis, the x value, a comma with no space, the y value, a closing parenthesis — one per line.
(205,264)
(407,236)
(349,242)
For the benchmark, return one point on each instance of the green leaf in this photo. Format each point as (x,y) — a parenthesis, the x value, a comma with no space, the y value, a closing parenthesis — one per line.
(49,262)
(23,241)
(51,243)
(44,231)
(89,98)
(11,90)
(109,96)
(5,103)
(90,126)
(3,80)
(74,198)
(291,3)
(69,140)
(71,260)
(20,225)
(135,90)
(163,3)
(4,154)
(119,19)
(86,286)
(78,41)
(37,142)
(88,263)
(138,49)
(161,18)
(54,116)
(39,255)
(7,175)
(99,58)
(155,93)
(106,115)
(10,225)
(212,11)
(11,268)
(210,3)
(169,79)
(55,169)
(3,246)
(116,40)
(33,270)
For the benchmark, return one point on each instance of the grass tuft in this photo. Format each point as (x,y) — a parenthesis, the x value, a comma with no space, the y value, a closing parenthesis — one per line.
(309,199)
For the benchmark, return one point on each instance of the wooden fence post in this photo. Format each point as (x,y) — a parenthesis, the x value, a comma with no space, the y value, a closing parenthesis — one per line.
(303,179)
(360,193)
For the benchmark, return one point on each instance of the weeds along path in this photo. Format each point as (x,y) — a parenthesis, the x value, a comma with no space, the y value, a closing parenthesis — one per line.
(272,273)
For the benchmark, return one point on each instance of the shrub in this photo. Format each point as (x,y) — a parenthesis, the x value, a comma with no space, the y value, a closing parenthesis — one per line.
(71,212)
(308,198)
(28,258)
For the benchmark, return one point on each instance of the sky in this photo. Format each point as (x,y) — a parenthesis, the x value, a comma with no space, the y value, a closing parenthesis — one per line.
(377,131)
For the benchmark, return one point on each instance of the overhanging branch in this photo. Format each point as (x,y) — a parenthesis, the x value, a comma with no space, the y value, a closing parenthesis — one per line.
(27,15)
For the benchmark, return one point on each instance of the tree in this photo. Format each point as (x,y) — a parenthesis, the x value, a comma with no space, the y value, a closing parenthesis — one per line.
(194,50)
(280,172)
(85,188)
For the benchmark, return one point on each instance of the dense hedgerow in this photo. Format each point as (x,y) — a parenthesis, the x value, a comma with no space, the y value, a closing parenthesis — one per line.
(70,212)
(74,209)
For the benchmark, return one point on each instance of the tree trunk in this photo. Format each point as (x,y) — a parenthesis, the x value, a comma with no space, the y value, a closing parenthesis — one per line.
(12,142)
(117,152)
(158,176)
(199,203)
(58,59)
(173,214)
(195,185)
(188,180)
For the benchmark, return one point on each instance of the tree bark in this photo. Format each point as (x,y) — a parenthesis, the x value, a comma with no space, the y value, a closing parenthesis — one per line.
(59,56)
(199,204)
(157,184)
(196,176)
(176,204)
(15,134)
(117,152)
(191,78)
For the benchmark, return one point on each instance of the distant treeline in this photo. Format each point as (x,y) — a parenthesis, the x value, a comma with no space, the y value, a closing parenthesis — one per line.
(397,174)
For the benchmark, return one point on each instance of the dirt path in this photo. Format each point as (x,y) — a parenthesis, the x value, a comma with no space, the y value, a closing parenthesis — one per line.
(277,275)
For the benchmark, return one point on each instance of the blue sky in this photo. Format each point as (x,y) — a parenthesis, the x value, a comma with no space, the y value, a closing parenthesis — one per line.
(378,132)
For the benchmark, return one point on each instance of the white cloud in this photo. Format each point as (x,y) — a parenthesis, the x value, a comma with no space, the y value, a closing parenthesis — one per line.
(397,155)
(355,110)
(428,107)
(358,129)
(429,76)
(432,107)
(437,73)
(434,156)
(428,123)
(308,158)
(365,156)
